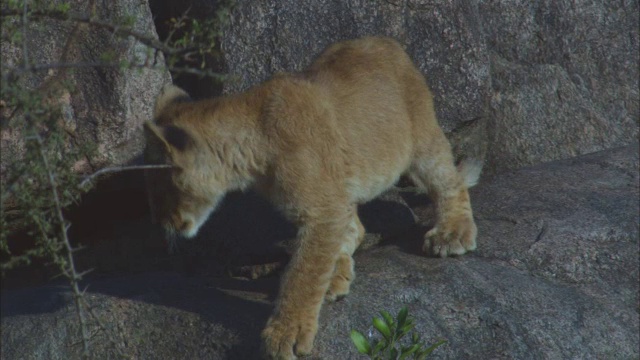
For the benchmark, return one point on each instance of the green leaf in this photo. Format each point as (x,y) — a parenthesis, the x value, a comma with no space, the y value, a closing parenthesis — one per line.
(405,330)
(360,342)
(415,338)
(393,354)
(64,7)
(426,352)
(382,327)
(406,351)
(382,344)
(402,317)
(387,317)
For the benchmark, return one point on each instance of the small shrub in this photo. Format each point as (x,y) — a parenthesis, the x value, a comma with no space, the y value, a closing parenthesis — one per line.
(41,168)
(392,331)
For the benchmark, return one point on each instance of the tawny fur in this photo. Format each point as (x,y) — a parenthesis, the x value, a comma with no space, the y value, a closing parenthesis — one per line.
(316,144)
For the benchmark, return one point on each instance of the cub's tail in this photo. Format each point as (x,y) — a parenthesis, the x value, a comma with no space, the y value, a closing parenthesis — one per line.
(470,170)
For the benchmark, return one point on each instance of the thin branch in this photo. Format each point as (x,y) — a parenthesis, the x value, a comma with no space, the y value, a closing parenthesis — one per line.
(16,260)
(107,170)
(10,185)
(181,21)
(68,43)
(78,248)
(25,52)
(19,70)
(53,224)
(79,277)
(73,279)
(201,73)
(91,20)
(88,179)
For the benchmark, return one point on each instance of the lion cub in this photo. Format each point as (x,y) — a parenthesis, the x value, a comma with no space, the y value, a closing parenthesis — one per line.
(316,144)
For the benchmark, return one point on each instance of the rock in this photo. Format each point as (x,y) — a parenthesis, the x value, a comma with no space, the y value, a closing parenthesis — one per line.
(532,82)
(555,276)
(106,106)
(564,78)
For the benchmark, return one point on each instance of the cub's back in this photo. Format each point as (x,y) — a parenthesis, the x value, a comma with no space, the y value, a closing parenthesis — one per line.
(372,82)
(353,65)
(380,100)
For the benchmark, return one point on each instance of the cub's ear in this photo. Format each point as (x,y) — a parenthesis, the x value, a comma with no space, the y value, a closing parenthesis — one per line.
(169,95)
(170,137)
(157,149)
(177,137)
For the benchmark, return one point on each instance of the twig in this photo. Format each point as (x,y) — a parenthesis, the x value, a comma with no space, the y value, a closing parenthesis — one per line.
(118,30)
(18,70)
(201,73)
(107,170)
(11,72)
(91,20)
(25,52)
(73,276)
(16,260)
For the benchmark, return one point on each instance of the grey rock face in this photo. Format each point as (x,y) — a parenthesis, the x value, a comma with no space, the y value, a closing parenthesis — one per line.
(106,106)
(532,81)
(564,78)
(555,276)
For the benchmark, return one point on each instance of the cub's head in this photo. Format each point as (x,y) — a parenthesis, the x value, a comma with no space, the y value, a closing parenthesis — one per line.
(182,196)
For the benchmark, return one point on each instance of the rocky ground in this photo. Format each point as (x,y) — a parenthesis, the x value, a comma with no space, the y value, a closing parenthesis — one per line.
(555,276)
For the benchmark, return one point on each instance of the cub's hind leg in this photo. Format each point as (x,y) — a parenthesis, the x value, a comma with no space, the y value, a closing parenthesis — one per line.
(434,171)
(344,272)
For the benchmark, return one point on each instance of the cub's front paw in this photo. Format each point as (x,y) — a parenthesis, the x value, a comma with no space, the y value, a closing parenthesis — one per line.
(453,236)
(283,340)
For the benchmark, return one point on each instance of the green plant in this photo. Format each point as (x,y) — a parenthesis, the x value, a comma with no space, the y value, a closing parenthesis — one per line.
(389,346)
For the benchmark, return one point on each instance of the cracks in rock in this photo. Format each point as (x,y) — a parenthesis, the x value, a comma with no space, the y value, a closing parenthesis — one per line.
(541,233)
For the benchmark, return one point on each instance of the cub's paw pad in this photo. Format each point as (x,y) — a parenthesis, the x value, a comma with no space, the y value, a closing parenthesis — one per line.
(454,236)
(284,340)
